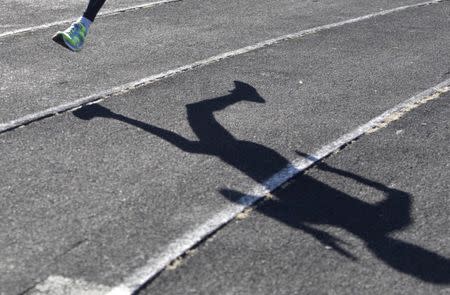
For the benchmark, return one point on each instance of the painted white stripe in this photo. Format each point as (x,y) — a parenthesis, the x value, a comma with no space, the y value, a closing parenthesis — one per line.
(57,285)
(70,20)
(180,245)
(201,63)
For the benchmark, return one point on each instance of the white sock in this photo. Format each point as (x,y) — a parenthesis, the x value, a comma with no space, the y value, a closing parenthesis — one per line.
(87,23)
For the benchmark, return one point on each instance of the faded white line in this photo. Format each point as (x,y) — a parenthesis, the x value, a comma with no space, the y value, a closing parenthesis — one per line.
(201,63)
(57,285)
(179,246)
(60,285)
(70,20)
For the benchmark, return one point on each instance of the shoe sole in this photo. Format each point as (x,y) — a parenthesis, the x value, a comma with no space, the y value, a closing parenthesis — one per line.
(59,38)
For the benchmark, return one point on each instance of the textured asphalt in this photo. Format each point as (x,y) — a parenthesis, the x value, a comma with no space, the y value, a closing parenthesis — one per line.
(93,194)
(21,14)
(36,74)
(371,219)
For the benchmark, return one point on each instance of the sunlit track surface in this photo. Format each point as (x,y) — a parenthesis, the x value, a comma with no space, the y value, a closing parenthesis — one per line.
(337,198)
(165,43)
(125,7)
(118,181)
(154,78)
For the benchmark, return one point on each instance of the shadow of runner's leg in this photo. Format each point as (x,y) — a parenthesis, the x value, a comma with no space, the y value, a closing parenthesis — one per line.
(411,259)
(308,201)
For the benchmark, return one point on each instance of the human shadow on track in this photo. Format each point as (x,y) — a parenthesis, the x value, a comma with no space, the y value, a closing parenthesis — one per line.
(255,160)
(307,201)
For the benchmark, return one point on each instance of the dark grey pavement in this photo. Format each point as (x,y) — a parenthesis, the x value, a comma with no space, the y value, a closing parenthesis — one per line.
(93,194)
(36,74)
(20,14)
(372,219)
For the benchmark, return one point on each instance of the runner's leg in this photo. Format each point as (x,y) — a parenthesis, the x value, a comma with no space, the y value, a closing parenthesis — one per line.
(93,8)
(74,37)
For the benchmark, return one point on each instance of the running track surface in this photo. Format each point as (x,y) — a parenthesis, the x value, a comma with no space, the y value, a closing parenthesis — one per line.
(194,111)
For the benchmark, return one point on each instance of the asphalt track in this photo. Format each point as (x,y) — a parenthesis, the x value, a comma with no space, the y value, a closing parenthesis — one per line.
(97,198)
(22,16)
(352,224)
(169,35)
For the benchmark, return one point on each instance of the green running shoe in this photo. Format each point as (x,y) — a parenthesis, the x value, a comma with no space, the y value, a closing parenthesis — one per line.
(73,38)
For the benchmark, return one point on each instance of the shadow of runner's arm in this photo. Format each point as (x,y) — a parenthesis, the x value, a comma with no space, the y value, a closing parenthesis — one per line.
(179,141)
(95,110)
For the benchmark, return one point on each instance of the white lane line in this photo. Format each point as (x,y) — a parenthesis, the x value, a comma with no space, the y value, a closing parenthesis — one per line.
(201,63)
(57,285)
(180,245)
(70,20)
